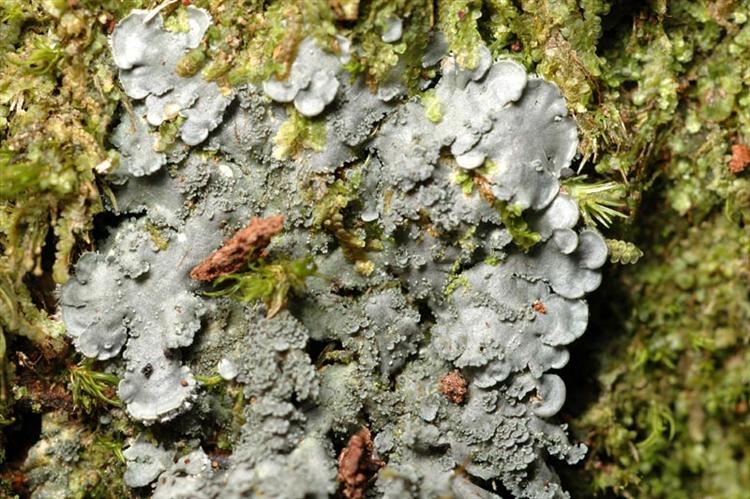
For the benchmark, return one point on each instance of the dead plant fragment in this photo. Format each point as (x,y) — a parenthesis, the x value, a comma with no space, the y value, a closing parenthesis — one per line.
(453,386)
(740,158)
(247,244)
(357,465)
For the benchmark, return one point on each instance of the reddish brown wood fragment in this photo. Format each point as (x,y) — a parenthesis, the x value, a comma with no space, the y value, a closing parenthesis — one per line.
(453,386)
(247,244)
(357,465)
(740,158)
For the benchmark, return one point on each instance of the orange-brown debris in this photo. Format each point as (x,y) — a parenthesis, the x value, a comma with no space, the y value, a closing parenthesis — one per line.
(357,465)
(740,158)
(247,244)
(453,386)
(539,307)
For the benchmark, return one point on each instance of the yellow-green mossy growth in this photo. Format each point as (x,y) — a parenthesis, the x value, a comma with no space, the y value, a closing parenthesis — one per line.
(298,133)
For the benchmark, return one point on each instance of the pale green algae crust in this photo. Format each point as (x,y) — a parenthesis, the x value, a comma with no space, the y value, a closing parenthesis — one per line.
(658,97)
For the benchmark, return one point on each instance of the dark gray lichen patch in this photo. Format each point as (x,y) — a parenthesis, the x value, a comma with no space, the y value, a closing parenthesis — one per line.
(412,225)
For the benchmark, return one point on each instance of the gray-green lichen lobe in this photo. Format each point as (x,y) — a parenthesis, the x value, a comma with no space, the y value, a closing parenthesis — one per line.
(380,210)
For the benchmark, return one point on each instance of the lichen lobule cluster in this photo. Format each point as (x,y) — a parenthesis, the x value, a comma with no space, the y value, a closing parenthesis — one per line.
(437,242)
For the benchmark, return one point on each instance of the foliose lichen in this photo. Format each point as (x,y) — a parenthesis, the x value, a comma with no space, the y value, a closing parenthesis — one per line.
(439,246)
(147,56)
(659,94)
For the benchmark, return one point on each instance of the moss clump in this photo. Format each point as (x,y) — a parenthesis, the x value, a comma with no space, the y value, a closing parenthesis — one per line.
(432,107)
(269,281)
(252,41)
(377,60)
(623,252)
(512,217)
(331,213)
(191,63)
(455,282)
(600,202)
(458,20)
(91,388)
(672,417)
(168,134)
(57,100)
(298,133)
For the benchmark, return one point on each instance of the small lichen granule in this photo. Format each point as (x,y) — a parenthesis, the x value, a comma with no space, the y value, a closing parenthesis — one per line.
(421,277)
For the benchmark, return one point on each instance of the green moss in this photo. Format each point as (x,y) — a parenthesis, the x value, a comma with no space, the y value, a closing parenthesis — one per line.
(91,388)
(492,260)
(599,202)
(57,102)
(623,252)
(251,42)
(269,281)
(298,133)
(376,59)
(465,180)
(156,237)
(175,18)
(512,216)
(469,179)
(209,380)
(101,465)
(457,19)
(42,57)
(191,63)
(168,134)
(432,107)
(659,96)
(672,417)
(455,282)
(333,211)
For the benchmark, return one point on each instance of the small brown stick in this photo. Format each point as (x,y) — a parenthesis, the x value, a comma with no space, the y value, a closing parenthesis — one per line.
(247,244)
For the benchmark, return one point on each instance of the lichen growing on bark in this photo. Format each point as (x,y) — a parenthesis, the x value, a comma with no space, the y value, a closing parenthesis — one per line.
(399,182)
(658,96)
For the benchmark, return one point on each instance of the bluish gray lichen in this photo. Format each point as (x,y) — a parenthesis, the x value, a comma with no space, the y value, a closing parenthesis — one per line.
(50,465)
(147,56)
(312,83)
(121,282)
(145,462)
(393,30)
(418,275)
(137,142)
